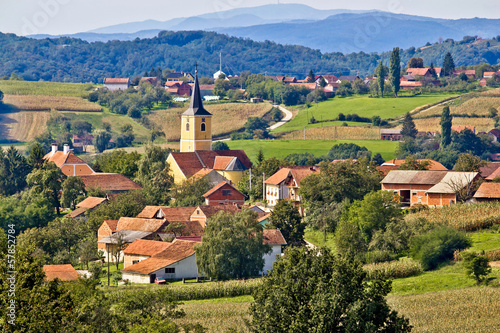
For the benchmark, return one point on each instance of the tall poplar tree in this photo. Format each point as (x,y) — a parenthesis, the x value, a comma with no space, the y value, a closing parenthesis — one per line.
(409,128)
(395,70)
(381,72)
(448,64)
(446,120)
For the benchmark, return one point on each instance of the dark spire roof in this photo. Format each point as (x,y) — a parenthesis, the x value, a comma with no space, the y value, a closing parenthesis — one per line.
(196,105)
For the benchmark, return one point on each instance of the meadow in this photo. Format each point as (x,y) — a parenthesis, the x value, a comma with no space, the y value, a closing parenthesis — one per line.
(363,106)
(334,133)
(282,148)
(14,87)
(48,103)
(227,117)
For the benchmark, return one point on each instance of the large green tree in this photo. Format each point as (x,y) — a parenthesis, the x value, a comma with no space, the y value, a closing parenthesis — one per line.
(13,171)
(409,129)
(232,246)
(448,65)
(316,291)
(285,216)
(381,72)
(395,70)
(446,121)
(101,140)
(73,190)
(47,181)
(36,155)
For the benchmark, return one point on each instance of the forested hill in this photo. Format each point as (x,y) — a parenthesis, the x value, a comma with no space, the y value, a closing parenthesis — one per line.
(73,60)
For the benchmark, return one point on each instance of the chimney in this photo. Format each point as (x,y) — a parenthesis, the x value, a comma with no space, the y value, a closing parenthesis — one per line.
(66,148)
(54,148)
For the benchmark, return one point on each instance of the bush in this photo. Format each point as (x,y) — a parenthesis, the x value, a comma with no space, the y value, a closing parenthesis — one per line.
(437,246)
(476,266)
(394,269)
(373,257)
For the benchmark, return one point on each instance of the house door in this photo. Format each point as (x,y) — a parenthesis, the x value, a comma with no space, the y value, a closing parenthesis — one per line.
(405,200)
(152,278)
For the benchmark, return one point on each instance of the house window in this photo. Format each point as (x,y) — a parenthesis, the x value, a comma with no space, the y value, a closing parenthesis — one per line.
(414,193)
(170,270)
(134,262)
(198,212)
(203,127)
(226,192)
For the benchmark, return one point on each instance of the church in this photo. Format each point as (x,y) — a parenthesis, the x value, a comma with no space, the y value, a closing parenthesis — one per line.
(196,157)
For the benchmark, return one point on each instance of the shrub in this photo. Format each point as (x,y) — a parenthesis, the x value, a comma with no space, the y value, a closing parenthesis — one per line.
(393,269)
(476,266)
(377,256)
(437,246)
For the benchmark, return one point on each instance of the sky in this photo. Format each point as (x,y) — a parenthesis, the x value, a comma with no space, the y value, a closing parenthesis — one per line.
(26,17)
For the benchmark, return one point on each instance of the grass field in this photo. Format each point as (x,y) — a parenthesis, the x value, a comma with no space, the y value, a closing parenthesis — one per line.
(282,148)
(47,103)
(227,117)
(363,106)
(46,88)
(335,133)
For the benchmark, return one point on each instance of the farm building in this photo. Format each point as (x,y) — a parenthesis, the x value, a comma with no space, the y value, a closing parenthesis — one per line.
(430,188)
(61,272)
(87,205)
(110,183)
(116,84)
(488,192)
(392,134)
(224,193)
(394,164)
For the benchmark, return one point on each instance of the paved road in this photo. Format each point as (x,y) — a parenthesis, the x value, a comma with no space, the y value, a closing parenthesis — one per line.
(288,117)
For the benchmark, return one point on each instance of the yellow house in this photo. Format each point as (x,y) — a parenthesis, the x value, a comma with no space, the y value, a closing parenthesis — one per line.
(196,147)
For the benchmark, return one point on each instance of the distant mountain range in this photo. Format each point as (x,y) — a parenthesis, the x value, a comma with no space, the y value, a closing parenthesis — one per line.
(294,24)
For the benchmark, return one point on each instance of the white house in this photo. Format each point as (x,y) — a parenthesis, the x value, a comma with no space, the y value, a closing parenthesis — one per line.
(275,239)
(176,260)
(277,186)
(116,84)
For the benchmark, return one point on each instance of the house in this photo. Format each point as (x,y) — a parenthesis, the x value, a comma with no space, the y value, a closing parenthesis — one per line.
(430,188)
(489,75)
(179,88)
(437,70)
(488,169)
(224,193)
(350,78)
(392,134)
(141,249)
(425,72)
(289,79)
(256,100)
(488,192)
(470,73)
(110,183)
(176,76)
(152,80)
(410,84)
(461,128)
(69,164)
(170,213)
(212,176)
(80,142)
(177,261)
(275,239)
(494,134)
(276,78)
(87,205)
(483,82)
(308,85)
(329,78)
(202,213)
(394,164)
(116,84)
(60,272)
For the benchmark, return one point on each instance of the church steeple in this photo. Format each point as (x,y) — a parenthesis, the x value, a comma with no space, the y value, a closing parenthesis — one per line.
(196,123)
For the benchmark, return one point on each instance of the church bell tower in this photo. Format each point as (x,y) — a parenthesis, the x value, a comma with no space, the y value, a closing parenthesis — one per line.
(196,123)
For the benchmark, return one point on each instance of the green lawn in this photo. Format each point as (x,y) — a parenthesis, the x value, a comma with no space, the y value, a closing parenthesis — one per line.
(485,241)
(282,148)
(45,88)
(317,238)
(363,106)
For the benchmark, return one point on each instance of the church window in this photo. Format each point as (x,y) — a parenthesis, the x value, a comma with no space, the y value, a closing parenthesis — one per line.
(187,127)
(203,127)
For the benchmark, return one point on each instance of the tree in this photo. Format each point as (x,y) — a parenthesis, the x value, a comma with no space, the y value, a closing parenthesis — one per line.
(232,246)
(315,291)
(101,140)
(13,171)
(411,163)
(446,121)
(360,87)
(409,129)
(378,159)
(285,216)
(190,193)
(448,65)
(380,73)
(416,63)
(310,76)
(1,97)
(343,151)
(73,190)
(26,210)
(469,163)
(221,87)
(118,161)
(476,266)
(47,182)
(395,70)
(36,155)
(220,145)
(322,82)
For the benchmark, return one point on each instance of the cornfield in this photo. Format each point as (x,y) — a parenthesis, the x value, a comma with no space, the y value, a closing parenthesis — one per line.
(465,217)
(492,92)
(227,118)
(47,103)
(475,106)
(14,87)
(23,126)
(214,289)
(334,133)
(394,269)
(460,310)
(432,124)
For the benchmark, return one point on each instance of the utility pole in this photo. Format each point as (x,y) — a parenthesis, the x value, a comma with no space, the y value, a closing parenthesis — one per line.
(263,186)
(108,262)
(304,133)
(250,191)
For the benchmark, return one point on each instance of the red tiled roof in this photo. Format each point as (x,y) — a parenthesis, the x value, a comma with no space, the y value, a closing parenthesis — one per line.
(112,224)
(77,212)
(60,158)
(173,83)
(138,224)
(308,85)
(278,177)
(189,238)
(178,250)
(177,213)
(61,272)
(433,165)
(192,162)
(146,247)
(216,187)
(494,174)
(109,182)
(91,202)
(221,162)
(406,84)
(273,237)
(488,169)
(212,210)
(488,191)
(418,71)
(301,172)
(149,212)
(115,81)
